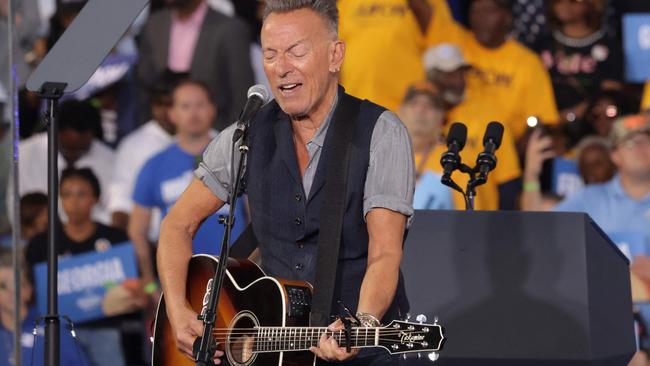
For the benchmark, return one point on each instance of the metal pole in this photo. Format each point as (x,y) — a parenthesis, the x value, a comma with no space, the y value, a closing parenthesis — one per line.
(52,320)
(12,98)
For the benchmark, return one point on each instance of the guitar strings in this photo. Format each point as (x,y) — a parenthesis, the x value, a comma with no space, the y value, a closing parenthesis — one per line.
(288,331)
(261,335)
(313,340)
(258,331)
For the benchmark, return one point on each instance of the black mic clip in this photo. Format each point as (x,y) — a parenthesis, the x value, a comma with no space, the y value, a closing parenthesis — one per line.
(487,160)
(257,96)
(485,163)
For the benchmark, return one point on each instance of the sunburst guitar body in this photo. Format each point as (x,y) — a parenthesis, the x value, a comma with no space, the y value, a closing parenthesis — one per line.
(264,321)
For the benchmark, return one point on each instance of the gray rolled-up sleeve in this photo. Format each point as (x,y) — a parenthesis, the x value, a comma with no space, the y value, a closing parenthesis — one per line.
(390,181)
(214,169)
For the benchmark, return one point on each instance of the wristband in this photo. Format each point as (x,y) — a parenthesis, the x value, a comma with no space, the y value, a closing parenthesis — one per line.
(150,288)
(531,186)
(368,320)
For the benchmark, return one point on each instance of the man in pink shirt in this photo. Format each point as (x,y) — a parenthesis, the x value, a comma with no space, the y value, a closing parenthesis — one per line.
(190,38)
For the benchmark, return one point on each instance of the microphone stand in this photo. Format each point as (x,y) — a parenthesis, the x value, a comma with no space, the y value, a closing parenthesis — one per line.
(470,194)
(52,92)
(208,315)
(474,181)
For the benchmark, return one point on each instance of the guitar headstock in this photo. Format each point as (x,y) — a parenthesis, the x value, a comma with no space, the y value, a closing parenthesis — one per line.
(405,337)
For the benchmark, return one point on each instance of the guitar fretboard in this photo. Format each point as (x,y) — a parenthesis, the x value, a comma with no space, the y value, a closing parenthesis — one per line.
(280,339)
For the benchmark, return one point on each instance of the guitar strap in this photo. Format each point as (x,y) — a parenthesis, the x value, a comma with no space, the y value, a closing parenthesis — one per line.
(342,127)
(245,244)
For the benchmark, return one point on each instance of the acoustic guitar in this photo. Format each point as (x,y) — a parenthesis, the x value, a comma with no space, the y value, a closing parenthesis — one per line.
(264,321)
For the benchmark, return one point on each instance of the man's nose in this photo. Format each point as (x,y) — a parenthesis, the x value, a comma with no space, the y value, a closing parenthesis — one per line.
(283,66)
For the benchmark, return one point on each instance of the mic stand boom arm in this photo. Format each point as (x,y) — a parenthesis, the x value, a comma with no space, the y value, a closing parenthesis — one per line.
(206,345)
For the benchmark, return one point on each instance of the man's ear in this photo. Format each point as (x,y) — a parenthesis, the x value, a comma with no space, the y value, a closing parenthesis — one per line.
(336,55)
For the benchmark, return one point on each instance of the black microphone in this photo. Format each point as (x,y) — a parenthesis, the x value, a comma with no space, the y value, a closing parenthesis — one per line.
(456,139)
(258,95)
(487,161)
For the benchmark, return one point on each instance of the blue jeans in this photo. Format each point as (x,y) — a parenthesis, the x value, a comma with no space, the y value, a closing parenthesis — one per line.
(102,345)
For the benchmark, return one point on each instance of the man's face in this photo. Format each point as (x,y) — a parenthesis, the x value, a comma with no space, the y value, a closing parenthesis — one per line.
(74,144)
(489,22)
(632,156)
(451,85)
(301,58)
(595,164)
(192,111)
(421,117)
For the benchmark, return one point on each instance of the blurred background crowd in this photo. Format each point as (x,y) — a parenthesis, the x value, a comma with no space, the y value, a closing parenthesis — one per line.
(563,76)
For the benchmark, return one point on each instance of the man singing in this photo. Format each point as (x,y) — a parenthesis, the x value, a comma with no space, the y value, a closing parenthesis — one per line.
(285,176)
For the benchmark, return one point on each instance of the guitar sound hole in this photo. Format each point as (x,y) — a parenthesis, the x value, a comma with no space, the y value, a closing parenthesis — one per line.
(241,339)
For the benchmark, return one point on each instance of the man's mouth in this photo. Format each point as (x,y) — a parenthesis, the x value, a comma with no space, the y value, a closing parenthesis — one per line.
(287,88)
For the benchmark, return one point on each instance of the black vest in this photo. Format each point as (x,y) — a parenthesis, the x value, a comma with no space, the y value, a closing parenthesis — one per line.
(286,222)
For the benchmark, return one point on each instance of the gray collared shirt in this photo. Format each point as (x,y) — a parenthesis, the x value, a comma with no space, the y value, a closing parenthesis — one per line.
(390,180)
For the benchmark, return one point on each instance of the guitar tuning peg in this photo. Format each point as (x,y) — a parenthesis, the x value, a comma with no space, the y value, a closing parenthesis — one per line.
(419,355)
(433,356)
(421,318)
(404,356)
(408,316)
(435,320)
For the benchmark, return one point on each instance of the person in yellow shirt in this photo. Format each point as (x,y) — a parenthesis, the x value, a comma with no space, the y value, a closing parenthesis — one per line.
(645,102)
(447,70)
(511,79)
(385,41)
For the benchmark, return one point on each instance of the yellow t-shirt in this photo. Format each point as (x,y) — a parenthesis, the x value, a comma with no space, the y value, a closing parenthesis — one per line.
(511,78)
(384,47)
(645,102)
(507,169)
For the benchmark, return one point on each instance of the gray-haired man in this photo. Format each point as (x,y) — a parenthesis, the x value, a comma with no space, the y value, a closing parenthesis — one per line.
(302,60)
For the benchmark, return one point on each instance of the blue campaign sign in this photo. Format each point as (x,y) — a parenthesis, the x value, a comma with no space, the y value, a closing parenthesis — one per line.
(84,279)
(630,243)
(636,46)
(565,178)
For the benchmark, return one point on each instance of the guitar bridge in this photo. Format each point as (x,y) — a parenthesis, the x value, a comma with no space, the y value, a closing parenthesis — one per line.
(299,300)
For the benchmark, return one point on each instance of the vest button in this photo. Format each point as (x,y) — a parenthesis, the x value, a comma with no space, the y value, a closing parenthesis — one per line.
(299,266)
(297,221)
(298,197)
(300,244)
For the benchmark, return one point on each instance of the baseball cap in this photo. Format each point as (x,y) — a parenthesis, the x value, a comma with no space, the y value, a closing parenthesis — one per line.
(628,126)
(445,57)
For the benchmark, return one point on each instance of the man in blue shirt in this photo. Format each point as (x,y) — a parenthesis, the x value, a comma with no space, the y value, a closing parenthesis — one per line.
(621,207)
(166,175)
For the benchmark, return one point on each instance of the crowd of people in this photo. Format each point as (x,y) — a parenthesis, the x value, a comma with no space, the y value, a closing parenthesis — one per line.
(577,133)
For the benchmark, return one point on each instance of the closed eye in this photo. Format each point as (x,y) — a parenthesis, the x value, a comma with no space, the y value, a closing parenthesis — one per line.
(269,55)
(298,50)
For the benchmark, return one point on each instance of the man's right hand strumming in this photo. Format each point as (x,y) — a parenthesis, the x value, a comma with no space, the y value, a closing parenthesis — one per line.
(187,328)
(174,253)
